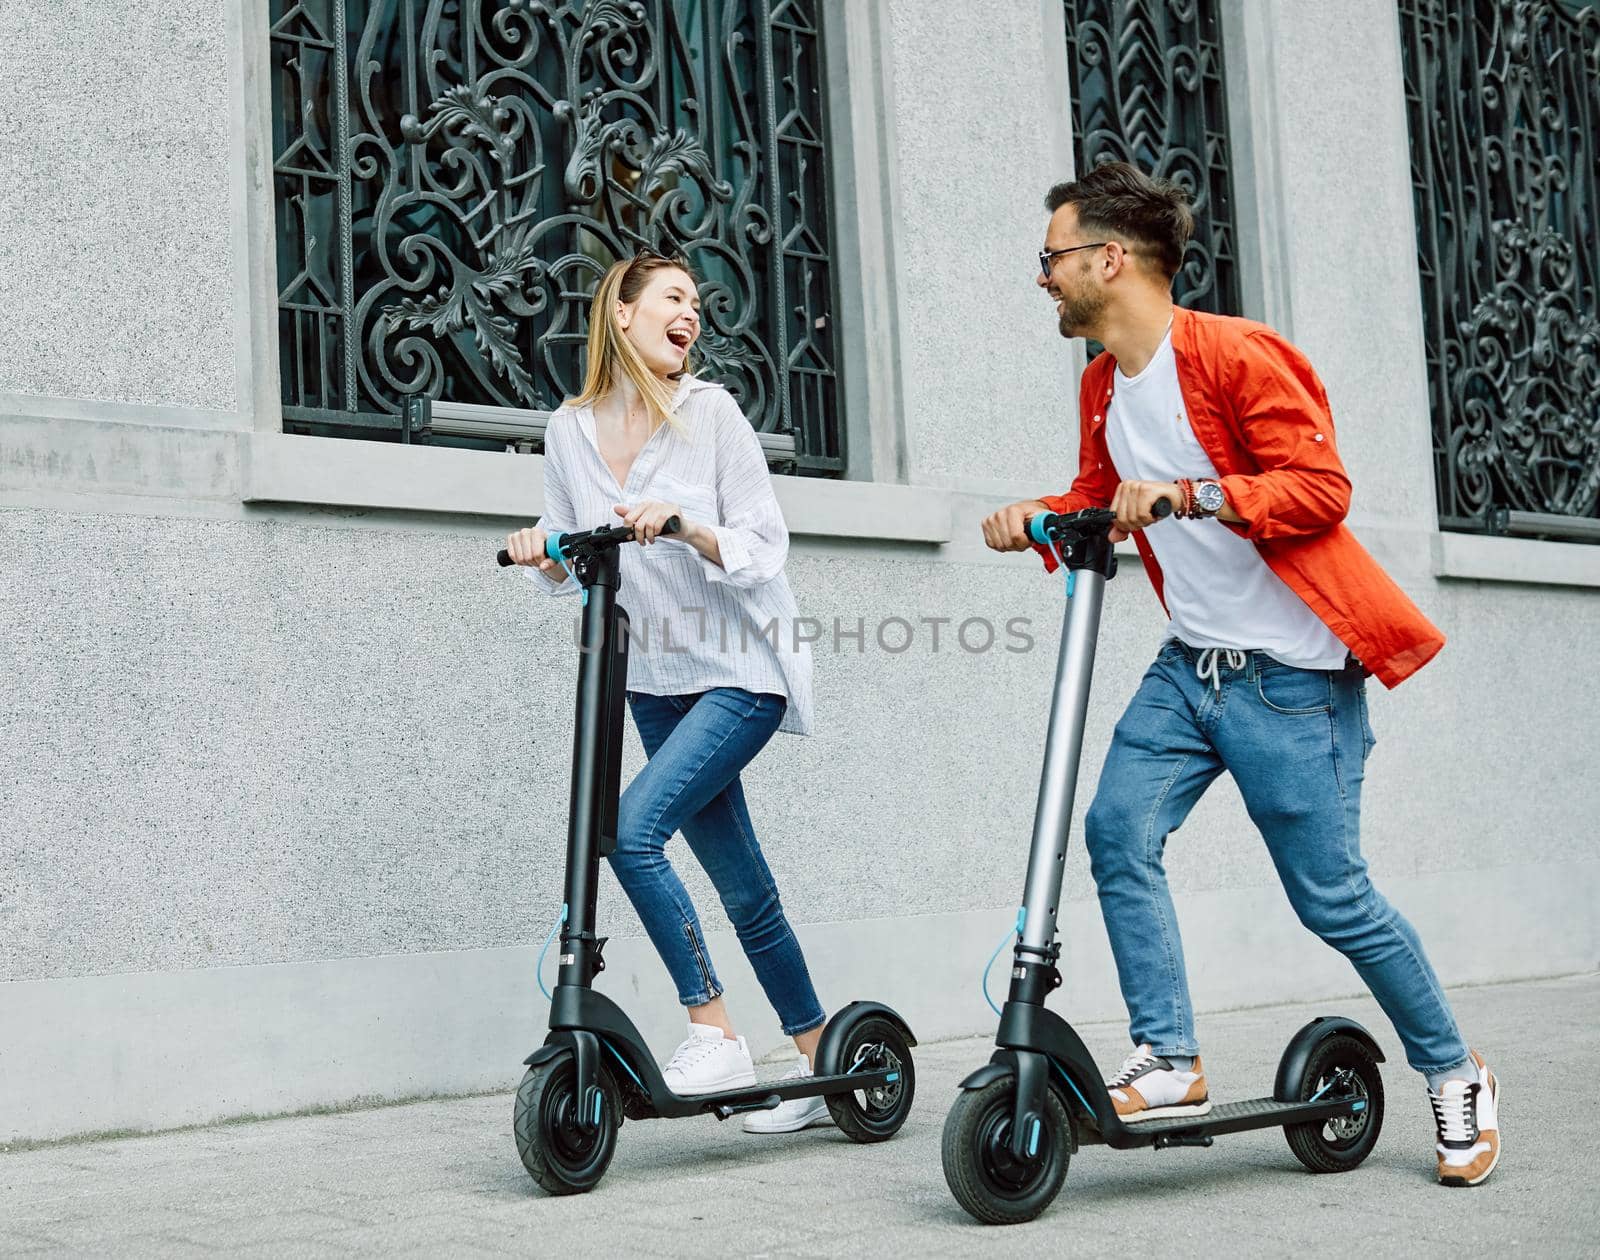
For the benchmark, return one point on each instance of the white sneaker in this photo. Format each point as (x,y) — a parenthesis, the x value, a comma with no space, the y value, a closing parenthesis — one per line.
(793,1114)
(708,1062)
(1161,1090)
(1468,1119)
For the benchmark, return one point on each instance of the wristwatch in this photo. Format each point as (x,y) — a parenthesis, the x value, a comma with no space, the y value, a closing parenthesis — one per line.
(1208,499)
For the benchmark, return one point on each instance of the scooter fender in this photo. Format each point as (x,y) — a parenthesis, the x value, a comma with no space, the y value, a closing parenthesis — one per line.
(1002,1067)
(549,1052)
(830,1050)
(1292,1067)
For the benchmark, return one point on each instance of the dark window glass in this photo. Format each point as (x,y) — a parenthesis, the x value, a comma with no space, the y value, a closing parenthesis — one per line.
(453,176)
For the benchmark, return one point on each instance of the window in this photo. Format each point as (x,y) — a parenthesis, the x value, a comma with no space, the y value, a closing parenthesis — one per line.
(1505,167)
(452,178)
(1148,88)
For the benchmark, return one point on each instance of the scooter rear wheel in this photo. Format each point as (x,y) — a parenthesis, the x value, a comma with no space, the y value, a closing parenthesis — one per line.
(875,1114)
(1339,1066)
(984,1176)
(563,1156)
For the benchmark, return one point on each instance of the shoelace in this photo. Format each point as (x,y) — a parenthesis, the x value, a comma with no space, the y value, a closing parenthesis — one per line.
(690,1053)
(1206,669)
(1131,1067)
(1454,1114)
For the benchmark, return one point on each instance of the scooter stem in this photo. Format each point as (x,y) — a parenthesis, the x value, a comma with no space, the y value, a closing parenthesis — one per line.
(1058,781)
(1090,562)
(596,759)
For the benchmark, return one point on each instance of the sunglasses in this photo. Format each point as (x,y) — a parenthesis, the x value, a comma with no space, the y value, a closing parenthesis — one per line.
(646,251)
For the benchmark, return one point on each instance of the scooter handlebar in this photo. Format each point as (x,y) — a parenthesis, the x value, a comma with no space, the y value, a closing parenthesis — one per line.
(1041,523)
(606,536)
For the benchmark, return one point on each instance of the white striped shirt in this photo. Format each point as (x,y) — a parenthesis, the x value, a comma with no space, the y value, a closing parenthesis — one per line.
(695,624)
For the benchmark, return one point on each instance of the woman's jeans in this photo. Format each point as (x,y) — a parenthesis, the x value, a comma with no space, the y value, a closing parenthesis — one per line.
(697,745)
(1295,741)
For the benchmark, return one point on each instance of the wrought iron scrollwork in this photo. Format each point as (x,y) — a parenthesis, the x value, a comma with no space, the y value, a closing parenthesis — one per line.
(1503,100)
(1148,87)
(454,176)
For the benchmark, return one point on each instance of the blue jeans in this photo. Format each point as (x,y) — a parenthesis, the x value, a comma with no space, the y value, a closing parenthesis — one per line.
(697,745)
(1295,742)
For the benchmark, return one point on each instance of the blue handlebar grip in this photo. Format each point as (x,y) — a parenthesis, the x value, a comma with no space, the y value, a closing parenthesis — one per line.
(552,547)
(1036,528)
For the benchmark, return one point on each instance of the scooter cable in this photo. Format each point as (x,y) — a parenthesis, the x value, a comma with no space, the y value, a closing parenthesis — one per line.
(538,971)
(983,980)
(1072,574)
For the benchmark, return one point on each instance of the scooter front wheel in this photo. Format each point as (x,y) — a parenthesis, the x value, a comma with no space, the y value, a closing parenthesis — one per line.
(986,1178)
(561,1152)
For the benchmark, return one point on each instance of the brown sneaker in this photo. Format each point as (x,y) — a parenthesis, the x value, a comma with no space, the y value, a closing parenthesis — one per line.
(1161,1090)
(1467,1114)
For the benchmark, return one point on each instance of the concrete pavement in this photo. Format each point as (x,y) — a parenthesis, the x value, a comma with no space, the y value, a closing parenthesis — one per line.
(441,1178)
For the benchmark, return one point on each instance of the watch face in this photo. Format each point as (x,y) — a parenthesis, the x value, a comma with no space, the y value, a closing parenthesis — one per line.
(1208,494)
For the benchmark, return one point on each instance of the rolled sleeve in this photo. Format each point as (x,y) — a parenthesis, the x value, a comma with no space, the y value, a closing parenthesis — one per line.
(752,538)
(1287,427)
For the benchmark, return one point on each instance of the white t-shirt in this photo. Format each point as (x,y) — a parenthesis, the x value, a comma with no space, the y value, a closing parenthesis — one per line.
(1219,591)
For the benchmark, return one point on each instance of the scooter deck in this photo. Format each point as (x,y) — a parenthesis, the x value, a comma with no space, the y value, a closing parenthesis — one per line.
(765,1096)
(1235,1117)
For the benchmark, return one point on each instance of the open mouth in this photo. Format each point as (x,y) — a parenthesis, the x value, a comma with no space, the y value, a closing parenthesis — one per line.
(680,337)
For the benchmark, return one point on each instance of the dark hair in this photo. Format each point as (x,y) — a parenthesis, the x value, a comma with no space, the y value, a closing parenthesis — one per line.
(1116,199)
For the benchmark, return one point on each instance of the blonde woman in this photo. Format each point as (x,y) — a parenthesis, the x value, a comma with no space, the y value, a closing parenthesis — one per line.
(645,441)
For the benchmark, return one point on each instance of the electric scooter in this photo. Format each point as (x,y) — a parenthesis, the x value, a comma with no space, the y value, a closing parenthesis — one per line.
(1018,1120)
(594,1069)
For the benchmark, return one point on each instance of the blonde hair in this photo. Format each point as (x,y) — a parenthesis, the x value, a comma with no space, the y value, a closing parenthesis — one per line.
(611,354)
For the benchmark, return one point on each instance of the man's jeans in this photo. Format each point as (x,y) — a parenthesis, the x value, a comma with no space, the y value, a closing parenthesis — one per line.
(1295,741)
(697,745)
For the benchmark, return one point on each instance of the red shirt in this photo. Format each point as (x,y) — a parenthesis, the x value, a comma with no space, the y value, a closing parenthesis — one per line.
(1259,411)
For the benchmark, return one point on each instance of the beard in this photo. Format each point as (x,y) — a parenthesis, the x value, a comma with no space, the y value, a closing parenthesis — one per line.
(1080,312)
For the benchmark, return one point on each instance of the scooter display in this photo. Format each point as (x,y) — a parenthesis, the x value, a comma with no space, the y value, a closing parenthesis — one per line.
(1018,1120)
(594,1069)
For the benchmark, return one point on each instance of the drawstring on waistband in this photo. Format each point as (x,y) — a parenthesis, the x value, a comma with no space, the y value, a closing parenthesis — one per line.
(1206,670)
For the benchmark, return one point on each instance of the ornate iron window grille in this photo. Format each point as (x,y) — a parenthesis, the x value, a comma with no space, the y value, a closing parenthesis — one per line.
(453,176)
(1503,102)
(1149,88)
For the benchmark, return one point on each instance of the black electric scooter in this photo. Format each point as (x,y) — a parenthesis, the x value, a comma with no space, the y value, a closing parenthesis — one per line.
(1018,1120)
(594,1068)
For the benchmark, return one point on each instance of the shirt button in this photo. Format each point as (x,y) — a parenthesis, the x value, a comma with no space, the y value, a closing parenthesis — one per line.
(1316,437)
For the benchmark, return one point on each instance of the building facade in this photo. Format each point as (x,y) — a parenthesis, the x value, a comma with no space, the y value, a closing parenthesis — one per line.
(285,809)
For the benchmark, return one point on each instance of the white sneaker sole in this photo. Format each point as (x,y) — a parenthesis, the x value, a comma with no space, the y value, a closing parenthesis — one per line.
(1168,1113)
(741,1080)
(764,1122)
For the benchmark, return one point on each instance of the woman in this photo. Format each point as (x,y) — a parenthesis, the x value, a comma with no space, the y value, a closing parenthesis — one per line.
(646,441)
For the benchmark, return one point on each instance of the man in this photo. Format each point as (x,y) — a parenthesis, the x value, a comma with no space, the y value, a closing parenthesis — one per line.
(1277,615)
